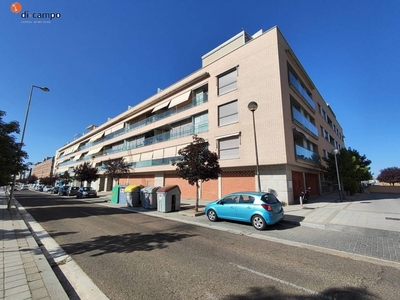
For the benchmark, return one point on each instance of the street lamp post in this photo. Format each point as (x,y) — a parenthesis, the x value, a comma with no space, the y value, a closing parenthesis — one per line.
(252,106)
(335,153)
(44,89)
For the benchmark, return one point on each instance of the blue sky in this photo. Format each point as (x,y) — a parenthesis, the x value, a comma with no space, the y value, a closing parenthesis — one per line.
(118,53)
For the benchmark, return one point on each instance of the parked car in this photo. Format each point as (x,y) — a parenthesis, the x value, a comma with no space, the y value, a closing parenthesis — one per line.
(72,190)
(39,187)
(55,190)
(86,192)
(46,188)
(258,208)
(24,187)
(62,191)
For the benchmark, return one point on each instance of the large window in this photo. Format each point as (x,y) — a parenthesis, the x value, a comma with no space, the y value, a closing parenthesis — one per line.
(227,82)
(228,113)
(229,148)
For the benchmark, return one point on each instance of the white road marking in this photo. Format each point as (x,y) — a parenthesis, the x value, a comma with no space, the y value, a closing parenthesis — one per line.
(281,281)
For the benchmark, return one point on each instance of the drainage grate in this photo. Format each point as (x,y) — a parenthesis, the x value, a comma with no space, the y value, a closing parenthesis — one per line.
(394,219)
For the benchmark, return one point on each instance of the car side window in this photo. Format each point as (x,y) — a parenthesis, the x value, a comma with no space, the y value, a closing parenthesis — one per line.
(246,199)
(231,200)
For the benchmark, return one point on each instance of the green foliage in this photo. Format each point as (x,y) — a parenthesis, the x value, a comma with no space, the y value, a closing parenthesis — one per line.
(85,172)
(48,180)
(65,178)
(116,168)
(11,155)
(389,175)
(197,163)
(353,168)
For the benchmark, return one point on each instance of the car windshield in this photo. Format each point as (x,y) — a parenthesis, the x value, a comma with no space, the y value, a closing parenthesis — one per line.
(87,189)
(269,199)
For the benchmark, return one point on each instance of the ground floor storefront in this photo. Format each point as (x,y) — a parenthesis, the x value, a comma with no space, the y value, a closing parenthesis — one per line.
(284,181)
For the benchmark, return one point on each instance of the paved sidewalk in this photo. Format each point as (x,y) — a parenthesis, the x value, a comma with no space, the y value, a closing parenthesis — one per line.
(25,272)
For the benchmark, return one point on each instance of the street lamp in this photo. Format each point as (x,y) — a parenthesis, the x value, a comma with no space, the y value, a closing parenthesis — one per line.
(252,106)
(336,152)
(44,89)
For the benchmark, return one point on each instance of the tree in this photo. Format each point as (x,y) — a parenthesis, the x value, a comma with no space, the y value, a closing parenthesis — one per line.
(32,179)
(65,178)
(48,180)
(389,175)
(85,172)
(197,164)
(116,168)
(11,154)
(353,168)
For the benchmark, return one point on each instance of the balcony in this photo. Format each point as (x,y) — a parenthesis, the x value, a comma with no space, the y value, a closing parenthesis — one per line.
(172,111)
(307,156)
(301,90)
(302,120)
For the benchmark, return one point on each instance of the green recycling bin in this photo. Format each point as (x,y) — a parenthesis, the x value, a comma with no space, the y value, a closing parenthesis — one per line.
(117,194)
(132,195)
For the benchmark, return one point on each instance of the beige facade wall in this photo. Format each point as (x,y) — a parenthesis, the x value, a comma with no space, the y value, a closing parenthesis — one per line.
(262,76)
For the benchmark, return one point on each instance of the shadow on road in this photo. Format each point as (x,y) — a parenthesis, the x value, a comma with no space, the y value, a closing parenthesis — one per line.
(125,243)
(272,293)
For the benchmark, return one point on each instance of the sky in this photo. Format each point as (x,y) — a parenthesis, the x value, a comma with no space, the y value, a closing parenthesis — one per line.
(99,57)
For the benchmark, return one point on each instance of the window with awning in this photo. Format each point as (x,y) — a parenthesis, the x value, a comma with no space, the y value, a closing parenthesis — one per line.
(96,137)
(158,153)
(94,151)
(161,106)
(146,156)
(114,129)
(180,99)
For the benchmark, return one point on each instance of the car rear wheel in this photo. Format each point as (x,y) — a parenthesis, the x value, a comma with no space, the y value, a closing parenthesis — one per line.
(258,222)
(212,215)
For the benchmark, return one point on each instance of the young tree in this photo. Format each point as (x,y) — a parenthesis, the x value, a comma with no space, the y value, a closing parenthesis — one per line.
(389,175)
(116,168)
(197,164)
(85,172)
(353,168)
(65,178)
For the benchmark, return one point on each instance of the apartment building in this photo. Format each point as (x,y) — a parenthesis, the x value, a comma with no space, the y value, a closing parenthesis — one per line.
(294,125)
(44,168)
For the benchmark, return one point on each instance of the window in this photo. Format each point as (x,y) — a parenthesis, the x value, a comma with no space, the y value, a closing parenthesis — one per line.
(229,148)
(227,82)
(228,113)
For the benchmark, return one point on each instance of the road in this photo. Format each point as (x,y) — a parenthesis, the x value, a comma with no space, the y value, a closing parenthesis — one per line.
(134,256)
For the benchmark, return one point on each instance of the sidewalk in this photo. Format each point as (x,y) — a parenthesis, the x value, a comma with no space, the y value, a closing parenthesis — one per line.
(25,272)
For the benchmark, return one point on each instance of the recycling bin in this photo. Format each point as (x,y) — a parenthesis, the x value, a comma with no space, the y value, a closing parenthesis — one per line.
(168,198)
(117,194)
(132,195)
(148,197)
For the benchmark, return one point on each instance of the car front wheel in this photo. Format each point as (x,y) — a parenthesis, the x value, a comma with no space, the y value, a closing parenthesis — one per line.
(212,215)
(258,222)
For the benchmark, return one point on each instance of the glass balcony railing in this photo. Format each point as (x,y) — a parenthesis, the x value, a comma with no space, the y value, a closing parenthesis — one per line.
(304,121)
(172,111)
(167,136)
(301,90)
(308,156)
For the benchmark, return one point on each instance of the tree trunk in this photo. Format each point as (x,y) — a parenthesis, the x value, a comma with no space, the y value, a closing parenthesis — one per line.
(196,207)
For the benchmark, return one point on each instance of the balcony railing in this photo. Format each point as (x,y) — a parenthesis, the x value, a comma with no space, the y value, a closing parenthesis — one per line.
(302,120)
(308,156)
(172,111)
(301,90)
(167,136)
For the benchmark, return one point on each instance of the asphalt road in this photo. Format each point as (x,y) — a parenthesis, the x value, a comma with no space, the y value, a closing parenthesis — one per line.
(134,256)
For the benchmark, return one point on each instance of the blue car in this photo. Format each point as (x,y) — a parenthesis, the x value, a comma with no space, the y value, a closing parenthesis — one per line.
(258,208)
